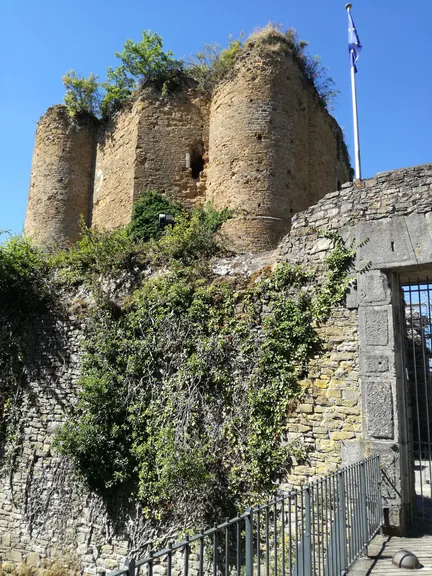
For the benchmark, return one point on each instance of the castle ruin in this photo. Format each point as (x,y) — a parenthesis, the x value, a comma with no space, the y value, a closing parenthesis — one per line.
(263,145)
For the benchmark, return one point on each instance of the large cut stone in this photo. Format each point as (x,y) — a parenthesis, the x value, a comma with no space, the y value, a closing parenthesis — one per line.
(379,409)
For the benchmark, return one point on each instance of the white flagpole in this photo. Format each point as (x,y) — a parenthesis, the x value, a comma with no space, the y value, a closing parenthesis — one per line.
(355,117)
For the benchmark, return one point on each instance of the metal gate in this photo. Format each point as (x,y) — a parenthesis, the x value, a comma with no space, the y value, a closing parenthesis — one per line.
(417,302)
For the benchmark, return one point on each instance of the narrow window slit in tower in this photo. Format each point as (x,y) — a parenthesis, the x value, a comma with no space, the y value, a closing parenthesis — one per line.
(197,161)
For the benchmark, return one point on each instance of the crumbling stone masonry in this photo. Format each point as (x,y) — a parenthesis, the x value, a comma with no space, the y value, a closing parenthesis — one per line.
(359,402)
(356,400)
(264,145)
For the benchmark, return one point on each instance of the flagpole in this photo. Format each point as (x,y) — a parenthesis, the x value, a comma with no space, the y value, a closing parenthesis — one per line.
(355,116)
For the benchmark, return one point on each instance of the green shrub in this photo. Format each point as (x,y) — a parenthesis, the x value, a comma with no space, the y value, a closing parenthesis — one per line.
(142,63)
(98,254)
(23,269)
(193,238)
(145,214)
(209,67)
(186,392)
(118,89)
(82,94)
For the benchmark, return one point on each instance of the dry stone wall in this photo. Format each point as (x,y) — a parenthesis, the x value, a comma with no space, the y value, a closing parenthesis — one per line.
(61,178)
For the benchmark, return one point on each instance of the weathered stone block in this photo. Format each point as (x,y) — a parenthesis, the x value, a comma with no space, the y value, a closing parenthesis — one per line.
(306,408)
(350,394)
(32,559)
(379,409)
(375,363)
(352,451)
(15,555)
(344,435)
(374,326)
(373,288)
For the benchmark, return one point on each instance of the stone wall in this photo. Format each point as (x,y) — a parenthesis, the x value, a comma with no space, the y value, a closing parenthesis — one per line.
(273,147)
(46,512)
(115,170)
(263,145)
(355,398)
(61,178)
(359,403)
(329,415)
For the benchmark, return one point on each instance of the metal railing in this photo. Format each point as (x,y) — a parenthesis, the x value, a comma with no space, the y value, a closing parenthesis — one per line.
(318,530)
(417,301)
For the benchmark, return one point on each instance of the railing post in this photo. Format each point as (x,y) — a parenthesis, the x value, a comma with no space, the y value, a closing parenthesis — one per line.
(169,560)
(130,563)
(380,507)
(186,556)
(150,563)
(307,567)
(363,502)
(342,523)
(249,542)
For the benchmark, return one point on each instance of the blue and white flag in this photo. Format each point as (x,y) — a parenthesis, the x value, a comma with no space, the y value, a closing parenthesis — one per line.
(354,44)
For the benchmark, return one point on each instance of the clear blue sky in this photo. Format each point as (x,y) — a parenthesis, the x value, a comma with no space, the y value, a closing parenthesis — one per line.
(41,39)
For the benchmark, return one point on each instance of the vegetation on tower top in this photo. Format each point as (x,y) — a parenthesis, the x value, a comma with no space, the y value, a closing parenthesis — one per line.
(146,63)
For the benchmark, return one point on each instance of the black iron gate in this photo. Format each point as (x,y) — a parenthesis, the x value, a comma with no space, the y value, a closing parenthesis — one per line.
(417,302)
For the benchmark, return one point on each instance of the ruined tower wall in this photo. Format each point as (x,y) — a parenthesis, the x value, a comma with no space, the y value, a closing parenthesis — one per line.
(61,177)
(328,162)
(115,169)
(265,146)
(149,145)
(171,142)
(273,147)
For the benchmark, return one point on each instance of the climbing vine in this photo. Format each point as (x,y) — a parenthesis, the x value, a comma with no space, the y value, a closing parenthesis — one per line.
(24,293)
(188,383)
(187,378)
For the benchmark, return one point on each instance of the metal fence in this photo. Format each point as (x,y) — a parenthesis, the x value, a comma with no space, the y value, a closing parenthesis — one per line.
(318,530)
(417,296)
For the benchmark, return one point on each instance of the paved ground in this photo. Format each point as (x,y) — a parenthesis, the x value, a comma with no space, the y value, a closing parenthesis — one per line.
(383,548)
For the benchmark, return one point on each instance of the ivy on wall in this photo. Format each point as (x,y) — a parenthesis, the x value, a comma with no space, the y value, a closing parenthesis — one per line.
(188,378)
(24,293)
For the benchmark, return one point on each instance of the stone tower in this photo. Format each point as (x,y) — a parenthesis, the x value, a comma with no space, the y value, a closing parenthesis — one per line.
(263,145)
(274,150)
(61,178)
